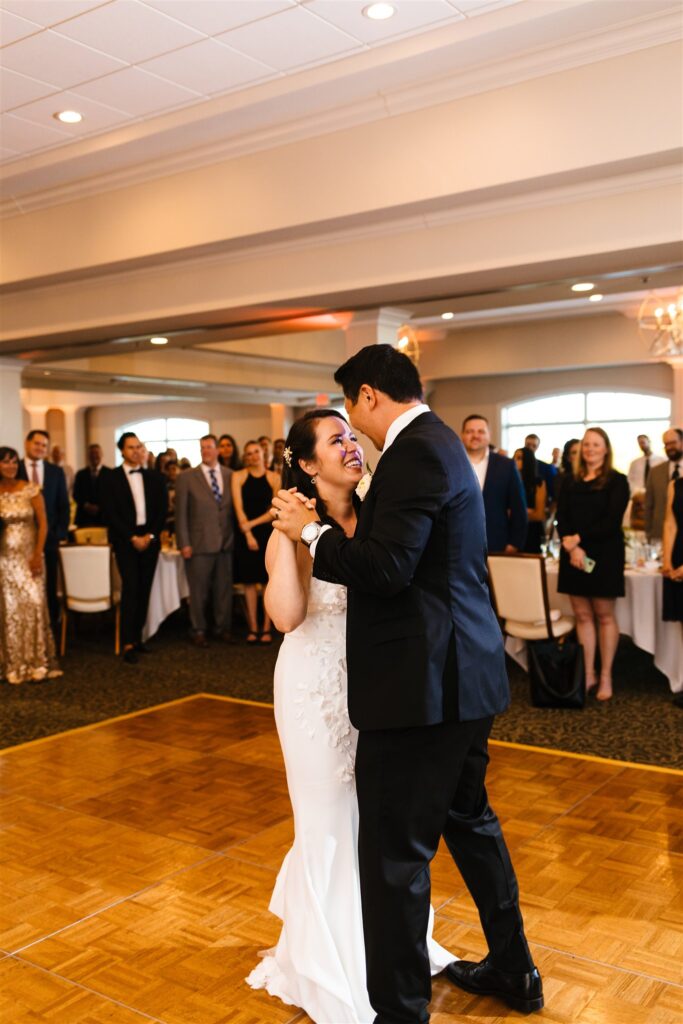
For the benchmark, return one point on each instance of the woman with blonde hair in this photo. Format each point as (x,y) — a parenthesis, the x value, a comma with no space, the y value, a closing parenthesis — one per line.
(590,509)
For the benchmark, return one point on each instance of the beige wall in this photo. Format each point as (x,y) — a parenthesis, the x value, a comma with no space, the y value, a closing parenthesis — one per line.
(454,399)
(242,421)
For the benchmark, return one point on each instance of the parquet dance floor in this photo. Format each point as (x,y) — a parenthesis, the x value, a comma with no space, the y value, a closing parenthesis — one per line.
(137,860)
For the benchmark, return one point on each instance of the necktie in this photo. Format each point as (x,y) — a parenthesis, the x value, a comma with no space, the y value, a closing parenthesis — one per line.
(34,474)
(647,467)
(677,471)
(214,486)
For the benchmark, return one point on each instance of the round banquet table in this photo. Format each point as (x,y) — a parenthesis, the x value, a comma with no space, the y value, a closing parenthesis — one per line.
(168,590)
(638,614)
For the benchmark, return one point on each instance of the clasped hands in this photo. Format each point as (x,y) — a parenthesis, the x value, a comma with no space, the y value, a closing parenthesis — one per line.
(571,544)
(291,511)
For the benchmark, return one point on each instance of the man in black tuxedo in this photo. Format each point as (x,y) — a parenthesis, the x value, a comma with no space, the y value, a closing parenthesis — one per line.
(134,504)
(426,675)
(501,485)
(87,489)
(52,483)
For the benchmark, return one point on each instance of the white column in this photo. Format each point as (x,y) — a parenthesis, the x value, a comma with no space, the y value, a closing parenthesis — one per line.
(280,420)
(11,415)
(378,327)
(74,436)
(677,402)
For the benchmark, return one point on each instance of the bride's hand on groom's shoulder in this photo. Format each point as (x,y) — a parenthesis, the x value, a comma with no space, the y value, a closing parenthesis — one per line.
(291,512)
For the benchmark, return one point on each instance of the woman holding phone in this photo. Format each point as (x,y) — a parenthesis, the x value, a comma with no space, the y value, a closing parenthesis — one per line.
(590,509)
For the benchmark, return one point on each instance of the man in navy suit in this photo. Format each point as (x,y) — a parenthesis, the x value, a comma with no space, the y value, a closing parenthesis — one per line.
(52,482)
(547,470)
(426,676)
(501,485)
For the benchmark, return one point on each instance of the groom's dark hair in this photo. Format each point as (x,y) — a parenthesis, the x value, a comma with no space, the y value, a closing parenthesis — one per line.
(385,370)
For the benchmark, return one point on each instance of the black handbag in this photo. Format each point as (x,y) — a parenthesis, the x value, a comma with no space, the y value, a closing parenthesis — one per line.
(556,672)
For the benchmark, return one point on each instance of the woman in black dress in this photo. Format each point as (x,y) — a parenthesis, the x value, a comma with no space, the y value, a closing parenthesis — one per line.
(253,489)
(590,509)
(536,493)
(672,553)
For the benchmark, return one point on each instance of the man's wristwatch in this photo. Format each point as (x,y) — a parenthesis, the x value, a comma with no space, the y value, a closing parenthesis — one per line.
(310,533)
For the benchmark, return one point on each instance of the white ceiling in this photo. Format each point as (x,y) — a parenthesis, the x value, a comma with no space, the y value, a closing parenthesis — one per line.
(122,61)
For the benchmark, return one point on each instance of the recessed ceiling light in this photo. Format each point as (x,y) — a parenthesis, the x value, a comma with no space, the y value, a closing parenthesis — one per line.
(68,116)
(379,12)
(595,298)
(447,316)
(159,341)
(583,286)
(47,373)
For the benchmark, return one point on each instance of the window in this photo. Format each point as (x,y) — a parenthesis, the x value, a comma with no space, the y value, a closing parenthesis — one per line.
(557,418)
(175,432)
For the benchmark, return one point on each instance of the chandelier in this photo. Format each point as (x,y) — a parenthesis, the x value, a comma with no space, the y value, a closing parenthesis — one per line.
(408,344)
(660,321)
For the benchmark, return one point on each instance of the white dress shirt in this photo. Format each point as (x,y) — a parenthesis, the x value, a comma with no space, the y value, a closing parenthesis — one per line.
(40,470)
(481,468)
(137,486)
(395,428)
(206,470)
(636,471)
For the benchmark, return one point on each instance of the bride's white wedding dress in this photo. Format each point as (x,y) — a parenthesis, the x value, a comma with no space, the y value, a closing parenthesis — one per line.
(319,962)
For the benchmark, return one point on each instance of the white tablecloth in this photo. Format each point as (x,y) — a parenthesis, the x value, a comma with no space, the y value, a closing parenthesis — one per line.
(168,589)
(639,615)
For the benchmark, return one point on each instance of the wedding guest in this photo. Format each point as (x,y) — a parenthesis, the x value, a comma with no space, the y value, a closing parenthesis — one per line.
(87,486)
(278,452)
(27,646)
(267,446)
(171,474)
(253,489)
(52,483)
(639,470)
(557,453)
(546,470)
(590,510)
(204,532)
(672,560)
(161,460)
(134,503)
(504,502)
(536,498)
(570,454)
(658,482)
(184,464)
(228,454)
(57,458)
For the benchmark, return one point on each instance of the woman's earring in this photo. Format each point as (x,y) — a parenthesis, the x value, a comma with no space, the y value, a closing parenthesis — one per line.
(313,480)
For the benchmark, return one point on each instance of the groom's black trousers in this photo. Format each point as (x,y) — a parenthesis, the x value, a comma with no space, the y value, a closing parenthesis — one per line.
(415,785)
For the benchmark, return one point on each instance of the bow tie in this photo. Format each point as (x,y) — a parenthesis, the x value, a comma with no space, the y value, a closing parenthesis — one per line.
(131,471)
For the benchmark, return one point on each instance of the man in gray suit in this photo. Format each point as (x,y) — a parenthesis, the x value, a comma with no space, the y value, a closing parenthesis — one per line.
(658,482)
(204,532)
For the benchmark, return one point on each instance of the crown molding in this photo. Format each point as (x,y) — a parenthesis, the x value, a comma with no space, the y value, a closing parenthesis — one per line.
(587,48)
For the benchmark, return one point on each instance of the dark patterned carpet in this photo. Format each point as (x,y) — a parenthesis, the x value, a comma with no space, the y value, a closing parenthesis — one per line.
(640,724)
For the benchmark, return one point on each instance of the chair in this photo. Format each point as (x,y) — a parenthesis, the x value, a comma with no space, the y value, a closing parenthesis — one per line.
(91,535)
(87,585)
(519,586)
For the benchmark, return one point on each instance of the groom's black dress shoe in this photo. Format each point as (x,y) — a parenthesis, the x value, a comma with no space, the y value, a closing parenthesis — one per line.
(523,992)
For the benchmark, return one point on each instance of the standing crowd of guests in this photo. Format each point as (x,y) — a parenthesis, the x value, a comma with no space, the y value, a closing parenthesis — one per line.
(217,514)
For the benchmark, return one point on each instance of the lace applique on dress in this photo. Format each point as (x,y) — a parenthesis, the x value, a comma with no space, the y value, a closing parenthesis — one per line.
(325,630)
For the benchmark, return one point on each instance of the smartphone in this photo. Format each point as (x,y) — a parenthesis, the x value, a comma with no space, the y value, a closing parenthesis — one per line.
(588,564)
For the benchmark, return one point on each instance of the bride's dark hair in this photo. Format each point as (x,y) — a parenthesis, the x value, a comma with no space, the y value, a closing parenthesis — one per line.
(300,444)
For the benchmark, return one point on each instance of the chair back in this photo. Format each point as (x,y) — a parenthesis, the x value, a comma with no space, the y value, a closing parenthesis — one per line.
(91,535)
(86,576)
(520,588)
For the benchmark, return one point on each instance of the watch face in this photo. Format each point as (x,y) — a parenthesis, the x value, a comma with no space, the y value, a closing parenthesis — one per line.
(310,532)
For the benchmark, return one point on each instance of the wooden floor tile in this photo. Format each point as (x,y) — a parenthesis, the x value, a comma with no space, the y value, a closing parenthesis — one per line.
(181,950)
(209,801)
(31,996)
(56,866)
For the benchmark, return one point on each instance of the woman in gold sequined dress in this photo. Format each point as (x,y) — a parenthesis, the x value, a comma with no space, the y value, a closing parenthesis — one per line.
(27,648)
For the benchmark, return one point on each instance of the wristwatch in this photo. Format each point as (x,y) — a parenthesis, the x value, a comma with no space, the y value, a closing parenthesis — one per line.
(310,533)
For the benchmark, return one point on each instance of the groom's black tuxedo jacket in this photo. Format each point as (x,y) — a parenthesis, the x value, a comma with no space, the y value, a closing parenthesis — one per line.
(423,643)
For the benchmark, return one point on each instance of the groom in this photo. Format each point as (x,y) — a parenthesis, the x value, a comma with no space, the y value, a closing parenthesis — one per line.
(426,675)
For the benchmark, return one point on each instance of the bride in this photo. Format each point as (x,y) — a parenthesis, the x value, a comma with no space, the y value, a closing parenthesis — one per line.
(319,962)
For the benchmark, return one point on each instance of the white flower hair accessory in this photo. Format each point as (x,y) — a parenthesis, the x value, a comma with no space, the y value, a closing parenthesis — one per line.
(287,456)
(364,484)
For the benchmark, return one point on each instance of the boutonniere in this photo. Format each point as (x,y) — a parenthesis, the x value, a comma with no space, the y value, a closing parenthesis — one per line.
(364,483)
